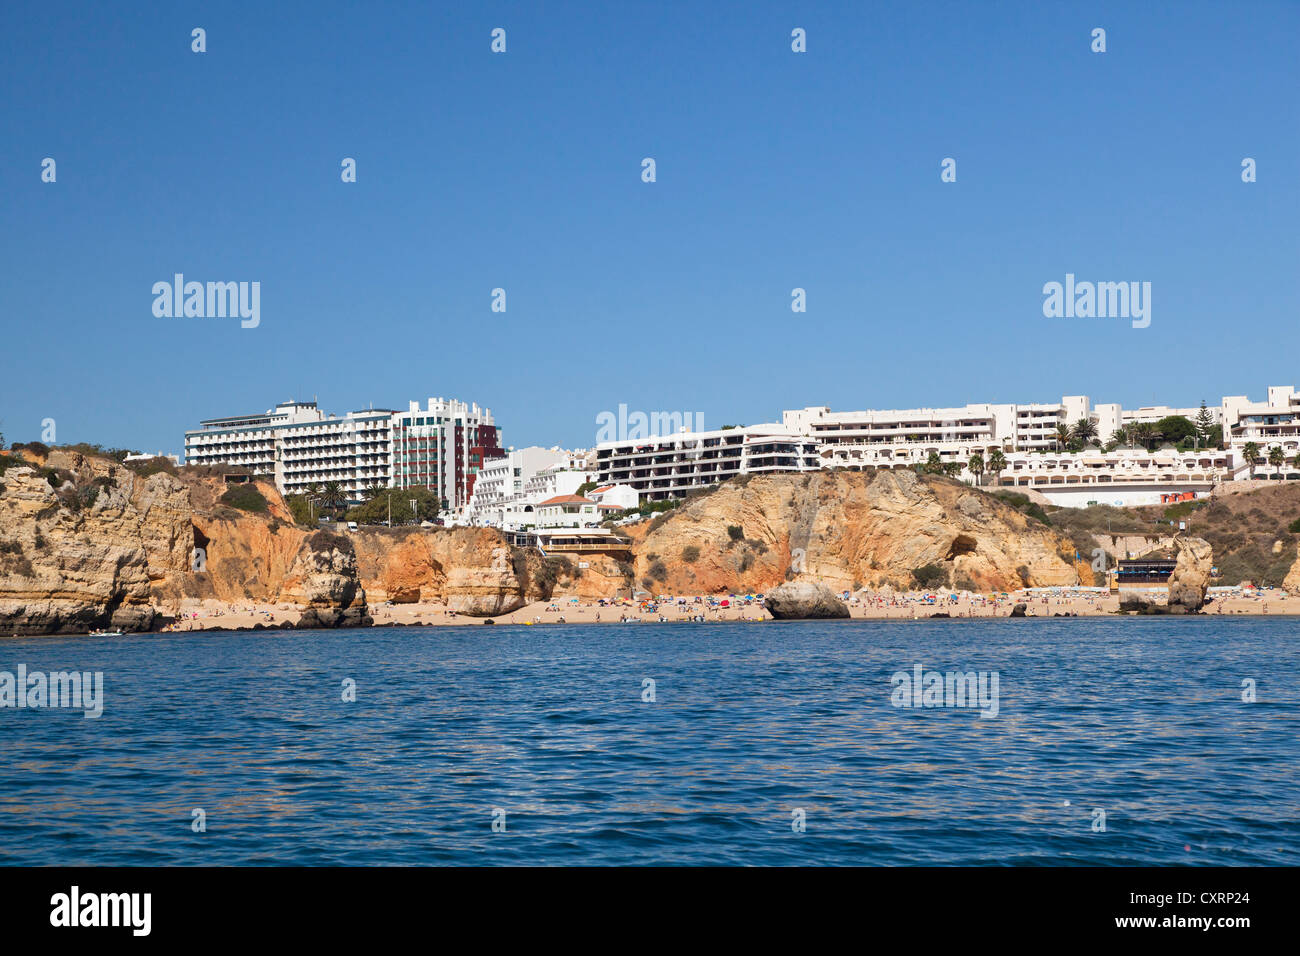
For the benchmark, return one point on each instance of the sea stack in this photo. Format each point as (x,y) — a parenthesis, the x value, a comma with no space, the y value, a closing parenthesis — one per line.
(1190,581)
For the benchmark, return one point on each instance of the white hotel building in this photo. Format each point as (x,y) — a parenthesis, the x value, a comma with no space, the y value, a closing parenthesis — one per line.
(670,466)
(1026,435)
(1274,422)
(525,489)
(440,447)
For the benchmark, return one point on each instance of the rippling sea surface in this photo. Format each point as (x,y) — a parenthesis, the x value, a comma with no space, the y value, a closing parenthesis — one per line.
(1141,718)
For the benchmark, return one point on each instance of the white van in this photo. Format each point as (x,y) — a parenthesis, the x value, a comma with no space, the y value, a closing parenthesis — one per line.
(352,526)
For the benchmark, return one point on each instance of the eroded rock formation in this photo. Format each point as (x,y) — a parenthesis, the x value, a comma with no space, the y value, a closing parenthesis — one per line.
(847,530)
(1190,581)
(84,554)
(86,542)
(323,581)
(800,600)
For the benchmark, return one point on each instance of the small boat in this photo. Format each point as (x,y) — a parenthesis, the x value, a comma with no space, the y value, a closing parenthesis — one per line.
(105,634)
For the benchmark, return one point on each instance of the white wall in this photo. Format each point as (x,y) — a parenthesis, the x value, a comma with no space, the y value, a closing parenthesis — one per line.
(1081,497)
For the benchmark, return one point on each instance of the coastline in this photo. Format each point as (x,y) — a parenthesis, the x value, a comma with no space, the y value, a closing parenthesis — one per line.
(217,616)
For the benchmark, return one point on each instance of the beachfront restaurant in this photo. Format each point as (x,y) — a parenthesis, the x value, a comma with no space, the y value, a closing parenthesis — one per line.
(1145,571)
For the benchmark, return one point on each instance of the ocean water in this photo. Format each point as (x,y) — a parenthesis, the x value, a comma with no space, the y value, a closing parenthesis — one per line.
(750,724)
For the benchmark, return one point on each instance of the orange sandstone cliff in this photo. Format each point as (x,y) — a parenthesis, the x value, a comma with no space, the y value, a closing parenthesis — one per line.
(86,542)
(848,530)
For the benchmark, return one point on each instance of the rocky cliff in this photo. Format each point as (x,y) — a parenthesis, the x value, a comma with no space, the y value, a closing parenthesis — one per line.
(471,570)
(87,542)
(848,530)
(83,542)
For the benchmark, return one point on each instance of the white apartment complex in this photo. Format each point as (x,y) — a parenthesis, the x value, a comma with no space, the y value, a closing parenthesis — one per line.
(670,466)
(1274,422)
(500,499)
(440,447)
(571,511)
(562,479)
(1123,476)
(1027,436)
(501,479)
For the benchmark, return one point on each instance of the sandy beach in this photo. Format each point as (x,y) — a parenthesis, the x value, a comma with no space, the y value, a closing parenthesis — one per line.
(216,615)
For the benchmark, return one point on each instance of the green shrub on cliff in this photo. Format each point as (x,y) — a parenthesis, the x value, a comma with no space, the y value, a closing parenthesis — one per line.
(553,568)
(325,541)
(929,576)
(300,507)
(152,466)
(1022,504)
(245,498)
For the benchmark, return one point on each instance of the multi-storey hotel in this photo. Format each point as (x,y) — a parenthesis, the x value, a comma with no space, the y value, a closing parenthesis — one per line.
(442,447)
(446,445)
(439,447)
(1027,437)
(670,466)
(1274,422)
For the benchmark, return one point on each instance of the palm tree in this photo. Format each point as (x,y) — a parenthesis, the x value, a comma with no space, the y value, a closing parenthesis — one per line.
(333,495)
(998,462)
(1084,431)
(1144,434)
(1062,435)
(1251,451)
(933,464)
(976,465)
(1276,458)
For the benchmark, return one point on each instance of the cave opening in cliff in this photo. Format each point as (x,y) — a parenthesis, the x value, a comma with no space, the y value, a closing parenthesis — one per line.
(200,543)
(962,544)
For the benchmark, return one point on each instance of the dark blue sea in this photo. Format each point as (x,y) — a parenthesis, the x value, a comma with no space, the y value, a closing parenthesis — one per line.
(1142,719)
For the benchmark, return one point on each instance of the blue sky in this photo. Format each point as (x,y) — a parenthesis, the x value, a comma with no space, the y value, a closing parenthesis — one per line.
(522,170)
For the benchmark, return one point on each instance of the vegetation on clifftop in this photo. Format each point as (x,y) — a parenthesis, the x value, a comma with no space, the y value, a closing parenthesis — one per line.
(245,498)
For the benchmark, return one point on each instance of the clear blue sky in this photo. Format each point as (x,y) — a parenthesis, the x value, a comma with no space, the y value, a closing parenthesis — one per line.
(775,170)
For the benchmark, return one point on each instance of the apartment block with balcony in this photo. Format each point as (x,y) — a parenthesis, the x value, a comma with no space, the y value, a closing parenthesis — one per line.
(353,450)
(1272,423)
(1121,477)
(250,441)
(903,438)
(500,498)
(672,466)
(443,446)
(440,447)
